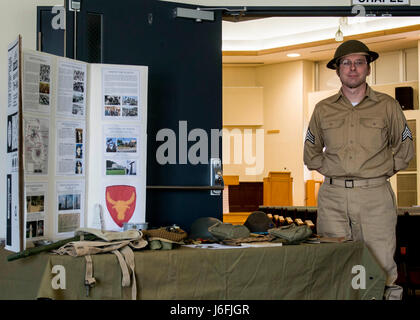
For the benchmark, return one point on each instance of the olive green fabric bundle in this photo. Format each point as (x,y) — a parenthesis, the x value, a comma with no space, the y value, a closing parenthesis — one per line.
(292,233)
(225,231)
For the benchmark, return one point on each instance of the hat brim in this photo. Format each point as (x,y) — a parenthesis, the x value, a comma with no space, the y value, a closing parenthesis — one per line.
(332,64)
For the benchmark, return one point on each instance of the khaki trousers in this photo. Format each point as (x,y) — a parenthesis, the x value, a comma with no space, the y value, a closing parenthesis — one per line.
(366,214)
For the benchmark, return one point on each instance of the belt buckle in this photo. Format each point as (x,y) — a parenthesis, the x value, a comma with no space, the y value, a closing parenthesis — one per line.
(347,185)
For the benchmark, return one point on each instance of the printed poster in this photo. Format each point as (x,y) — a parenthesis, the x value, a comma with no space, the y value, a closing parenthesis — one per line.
(37,83)
(121,94)
(70,206)
(71,148)
(71,96)
(36,210)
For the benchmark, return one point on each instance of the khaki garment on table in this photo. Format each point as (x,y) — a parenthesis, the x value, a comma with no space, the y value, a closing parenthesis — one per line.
(366,141)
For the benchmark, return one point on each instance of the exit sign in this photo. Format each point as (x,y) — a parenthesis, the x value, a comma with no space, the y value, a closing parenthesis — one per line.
(382,2)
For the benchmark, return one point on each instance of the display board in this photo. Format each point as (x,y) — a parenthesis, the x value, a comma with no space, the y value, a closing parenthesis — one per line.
(14,214)
(82,146)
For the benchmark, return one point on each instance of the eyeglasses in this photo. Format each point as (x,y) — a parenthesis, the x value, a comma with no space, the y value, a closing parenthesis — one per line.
(357,63)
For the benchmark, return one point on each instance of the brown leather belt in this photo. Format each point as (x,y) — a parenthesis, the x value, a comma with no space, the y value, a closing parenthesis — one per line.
(351,183)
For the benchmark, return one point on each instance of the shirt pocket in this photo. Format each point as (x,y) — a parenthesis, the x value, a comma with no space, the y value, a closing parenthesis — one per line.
(333,133)
(372,133)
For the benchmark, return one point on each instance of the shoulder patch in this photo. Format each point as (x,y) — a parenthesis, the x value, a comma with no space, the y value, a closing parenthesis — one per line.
(406,133)
(310,137)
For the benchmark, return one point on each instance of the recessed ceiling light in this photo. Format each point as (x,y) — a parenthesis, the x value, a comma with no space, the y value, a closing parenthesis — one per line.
(293,55)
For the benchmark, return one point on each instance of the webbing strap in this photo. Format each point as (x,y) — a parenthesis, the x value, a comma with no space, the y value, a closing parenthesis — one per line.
(89,279)
(129,259)
(125,273)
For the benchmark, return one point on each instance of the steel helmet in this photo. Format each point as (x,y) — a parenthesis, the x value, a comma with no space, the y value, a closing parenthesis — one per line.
(349,47)
(258,221)
(200,228)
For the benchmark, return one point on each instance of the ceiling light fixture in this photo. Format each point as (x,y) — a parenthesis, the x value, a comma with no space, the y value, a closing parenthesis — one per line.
(339,35)
(293,55)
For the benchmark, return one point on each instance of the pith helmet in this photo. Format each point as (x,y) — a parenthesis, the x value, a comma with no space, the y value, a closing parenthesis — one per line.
(349,47)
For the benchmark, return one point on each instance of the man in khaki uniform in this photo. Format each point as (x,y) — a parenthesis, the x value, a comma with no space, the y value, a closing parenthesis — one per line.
(357,139)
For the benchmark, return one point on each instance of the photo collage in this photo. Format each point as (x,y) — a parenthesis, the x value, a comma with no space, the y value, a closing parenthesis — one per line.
(44,85)
(35,209)
(78,93)
(124,107)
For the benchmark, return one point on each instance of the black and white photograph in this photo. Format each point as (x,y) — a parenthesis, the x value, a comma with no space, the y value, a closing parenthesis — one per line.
(12,132)
(78,86)
(129,111)
(15,65)
(78,75)
(77,98)
(130,101)
(44,99)
(112,100)
(44,73)
(77,109)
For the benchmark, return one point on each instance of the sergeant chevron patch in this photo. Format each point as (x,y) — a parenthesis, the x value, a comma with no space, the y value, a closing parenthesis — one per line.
(406,133)
(310,137)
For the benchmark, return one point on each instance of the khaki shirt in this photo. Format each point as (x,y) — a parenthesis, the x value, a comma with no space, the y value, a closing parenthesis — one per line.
(369,140)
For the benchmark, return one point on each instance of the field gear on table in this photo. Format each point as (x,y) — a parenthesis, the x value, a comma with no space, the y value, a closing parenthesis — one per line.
(165,237)
(200,228)
(225,231)
(292,233)
(258,221)
(119,243)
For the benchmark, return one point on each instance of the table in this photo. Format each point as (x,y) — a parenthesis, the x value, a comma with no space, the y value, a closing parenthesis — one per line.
(305,271)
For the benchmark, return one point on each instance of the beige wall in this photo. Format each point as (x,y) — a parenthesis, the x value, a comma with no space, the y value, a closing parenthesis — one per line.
(284,104)
(240,77)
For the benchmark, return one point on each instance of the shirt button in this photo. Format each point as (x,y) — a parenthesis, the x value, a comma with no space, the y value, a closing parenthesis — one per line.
(351,141)
(350,157)
(352,125)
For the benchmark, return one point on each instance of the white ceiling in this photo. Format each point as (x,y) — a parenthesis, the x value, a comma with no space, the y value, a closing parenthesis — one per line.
(278,32)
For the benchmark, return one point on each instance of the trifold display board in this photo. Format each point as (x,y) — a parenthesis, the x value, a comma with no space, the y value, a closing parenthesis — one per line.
(77,142)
